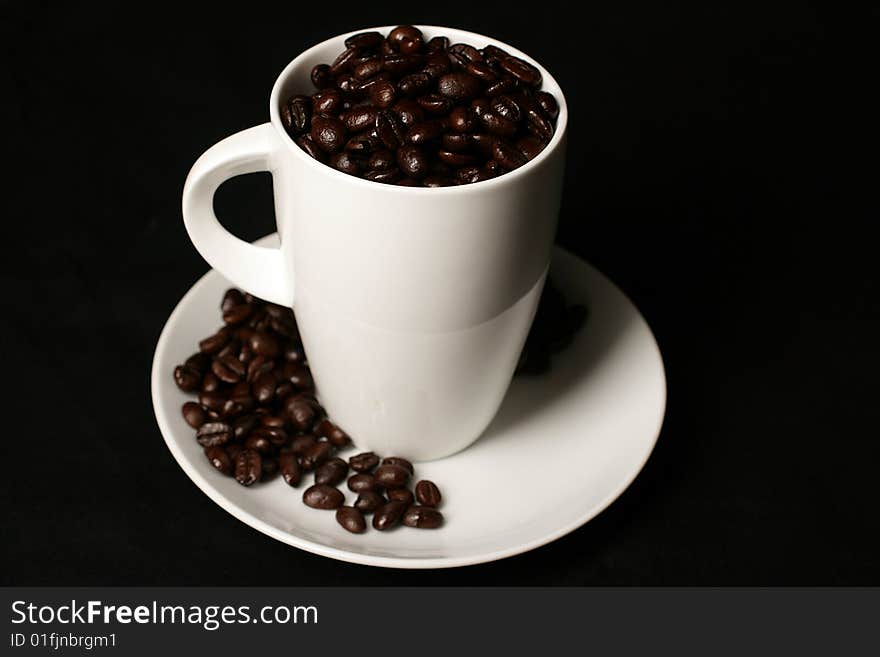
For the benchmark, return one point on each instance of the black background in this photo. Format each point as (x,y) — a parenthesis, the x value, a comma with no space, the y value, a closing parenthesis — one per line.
(711,175)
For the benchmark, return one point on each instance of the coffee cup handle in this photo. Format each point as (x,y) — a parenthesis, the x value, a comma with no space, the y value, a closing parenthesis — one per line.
(258,270)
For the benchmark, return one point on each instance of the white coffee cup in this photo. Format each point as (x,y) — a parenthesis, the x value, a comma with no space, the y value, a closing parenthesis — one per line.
(413,303)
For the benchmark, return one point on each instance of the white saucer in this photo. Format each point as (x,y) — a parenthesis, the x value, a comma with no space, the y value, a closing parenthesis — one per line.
(563,446)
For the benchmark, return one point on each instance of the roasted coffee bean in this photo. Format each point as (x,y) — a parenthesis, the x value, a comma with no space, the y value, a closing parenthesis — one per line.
(521,70)
(233,297)
(427,493)
(484,144)
(293,353)
(343,61)
(361,118)
(500,86)
(457,142)
(265,344)
(364,40)
(214,433)
(492,169)
(264,387)
(548,104)
(361,482)
(242,426)
(321,76)
(398,461)
(273,421)
(315,455)
(480,106)
(248,467)
(298,375)
(233,449)
(367,68)
(507,107)
(346,163)
(456,159)
(332,472)
(422,517)
(530,146)
(214,343)
(301,444)
(290,468)
(296,114)
(193,414)
(404,33)
(328,133)
(410,46)
(391,476)
(493,54)
(497,124)
(467,52)
(336,436)
(437,65)
(364,462)
(412,161)
(461,119)
(382,94)
(437,44)
(270,466)
(187,378)
(328,101)
(434,104)
(301,410)
(349,86)
(321,496)
(232,348)
(219,458)
(388,515)
(459,86)
(424,132)
(368,501)
(399,64)
(508,156)
(481,71)
(383,176)
(351,519)
(413,84)
(436,181)
(259,444)
(400,495)
(275,435)
(467,175)
(389,129)
(381,160)
(305,142)
(408,111)
(213,401)
(228,369)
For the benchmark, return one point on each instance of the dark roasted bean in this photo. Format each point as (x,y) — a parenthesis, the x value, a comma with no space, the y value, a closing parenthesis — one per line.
(422,517)
(228,369)
(381,160)
(305,142)
(410,46)
(456,142)
(435,104)
(500,86)
(360,118)
(275,435)
(301,410)
(424,132)
(383,94)
(187,378)
(219,458)
(348,85)
(328,133)
(427,493)
(259,443)
(507,107)
(291,471)
(412,161)
(539,125)
(391,476)
(408,111)
(332,433)
(364,462)
(437,44)
(548,104)
(459,86)
(296,114)
(294,353)
(497,124)
(413,84)
(343,62)
(383,176)
(346,163)
(466,51)
(403,33)
(242,426)
(461,119)
(328,101)
(213,401)
(529,146)
(361,482)
(214,433)
(508,156)
(351,519)
(270,466)
(363,40)
(302,444)
(368,68)
(321,496)
(494,54)
(388,515)
(399,64)
(368,501)
(248,467)
(436,181)
(237,314)
(264,387)
(315,455)
(521,70)
(389,129)
(265,344)
(332,472)
(321,76)
(401,462)
(400,495)
(456,159)
(484,144)
(214,343)
(193,414)
(481,71)
(232,296)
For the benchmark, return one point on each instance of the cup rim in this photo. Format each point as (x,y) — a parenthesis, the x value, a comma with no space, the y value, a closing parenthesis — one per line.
(504,179)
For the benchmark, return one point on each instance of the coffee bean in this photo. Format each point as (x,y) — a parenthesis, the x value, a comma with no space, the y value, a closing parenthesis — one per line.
(361,482)
(321,76)
(248,467)
(398,461)
(521,70)
(367,68)
(529,146)
(456,159)
(422,517)
(264,387)
(321,496)
(214,433)
(427,493)
(315,455)
(388,515)
(213,401)
(214,343)
(343,61)
(332,472)
(434,104)
(298,375)
(358,119)
(508,156)
(497,124)
(219,458)
(259,443)
(305,142)
(381,160)
(424,132)
(484,144)
(539,125)
(481,71)
(383,176)
(301,444)
(346,163)
(413,84)
(328,101)
(233,297)
(437,65)
(290,468)
(383,94)
(391,476)
(409,112)
(404,33)
(389,129)
(237,314)
(456,142)
(328,133)
(400,495)
(412,161)
(364,462)
(548,104)
(436,181)
(332,433)
(437,44)
(242,426)
(294,353)
(461,119)
(364,40)
(493,54)
(351,519)
(466,52)
(193,414)
(458,86)
(228,369)
(232,348)
(368,501)
(187,378)
(270,467)
(296,114)
(500,86)
(398,64)
(507,107)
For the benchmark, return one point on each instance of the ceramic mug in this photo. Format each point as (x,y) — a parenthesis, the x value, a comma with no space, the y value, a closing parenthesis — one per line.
(413,303)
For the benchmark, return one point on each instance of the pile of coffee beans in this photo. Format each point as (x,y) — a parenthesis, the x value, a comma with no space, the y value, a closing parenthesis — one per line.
(403,110)
(257,417)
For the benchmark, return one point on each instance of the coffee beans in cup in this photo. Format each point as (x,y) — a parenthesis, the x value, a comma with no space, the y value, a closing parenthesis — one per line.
(401,109)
